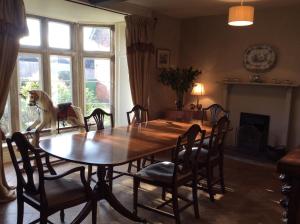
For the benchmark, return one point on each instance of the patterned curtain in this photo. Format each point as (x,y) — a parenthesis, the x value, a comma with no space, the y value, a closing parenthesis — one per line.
(12,28)
(140,49)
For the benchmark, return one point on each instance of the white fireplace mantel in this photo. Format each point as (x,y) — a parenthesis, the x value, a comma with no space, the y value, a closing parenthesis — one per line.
(286,107)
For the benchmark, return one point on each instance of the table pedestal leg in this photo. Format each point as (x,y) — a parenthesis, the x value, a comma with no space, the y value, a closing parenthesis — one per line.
(102,191)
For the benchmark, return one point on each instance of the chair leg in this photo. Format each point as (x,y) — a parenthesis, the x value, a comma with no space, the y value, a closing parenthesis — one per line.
(20,210)
(49,166)
(62,215)
(129,167)
(221,170)
(209,184)
(43,218)
(89,175)
(136,184)
(195,197)
(144,163)
(94,213)
(163,193)
(175,205)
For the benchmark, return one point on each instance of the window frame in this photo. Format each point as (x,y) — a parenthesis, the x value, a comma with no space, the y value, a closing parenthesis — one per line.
(76,54)
(99,55)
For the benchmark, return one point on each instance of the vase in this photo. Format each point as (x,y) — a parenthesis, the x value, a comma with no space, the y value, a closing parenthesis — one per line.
(179,100)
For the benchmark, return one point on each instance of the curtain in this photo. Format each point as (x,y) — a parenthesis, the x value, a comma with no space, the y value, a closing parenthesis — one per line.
(12,28)
(140,49)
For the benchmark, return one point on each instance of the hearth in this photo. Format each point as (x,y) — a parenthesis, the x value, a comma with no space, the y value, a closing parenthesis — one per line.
(252,134)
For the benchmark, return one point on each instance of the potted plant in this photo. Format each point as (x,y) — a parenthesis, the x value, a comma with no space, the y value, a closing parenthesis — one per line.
(180,80)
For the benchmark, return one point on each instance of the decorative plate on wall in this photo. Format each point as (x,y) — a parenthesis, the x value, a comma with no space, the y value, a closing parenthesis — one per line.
(259,58)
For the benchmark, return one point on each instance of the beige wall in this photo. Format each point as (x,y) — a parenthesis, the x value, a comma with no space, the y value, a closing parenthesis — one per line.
(217,49)
(167,36)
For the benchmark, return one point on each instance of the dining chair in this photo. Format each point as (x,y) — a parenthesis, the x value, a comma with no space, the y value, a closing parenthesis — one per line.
(173,175)
(137,115)
(99,117)
(212,157)
(49,193)
(213,113)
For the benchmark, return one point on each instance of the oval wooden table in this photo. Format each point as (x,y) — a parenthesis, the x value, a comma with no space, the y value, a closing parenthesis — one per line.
(113,147)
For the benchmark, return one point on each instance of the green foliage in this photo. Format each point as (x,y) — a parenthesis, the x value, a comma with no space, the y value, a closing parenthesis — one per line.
(28,115)
(180,80)
(64,92)
(27,86)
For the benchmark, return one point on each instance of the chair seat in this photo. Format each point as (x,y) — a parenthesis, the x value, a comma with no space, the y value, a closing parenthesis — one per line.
(62,192)
(162,172)
(203,154)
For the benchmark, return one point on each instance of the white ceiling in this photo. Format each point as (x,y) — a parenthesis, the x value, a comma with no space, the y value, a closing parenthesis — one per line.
(193,8)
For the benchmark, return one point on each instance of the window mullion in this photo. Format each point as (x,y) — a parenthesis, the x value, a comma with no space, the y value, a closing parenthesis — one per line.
(80,69)
(46,78)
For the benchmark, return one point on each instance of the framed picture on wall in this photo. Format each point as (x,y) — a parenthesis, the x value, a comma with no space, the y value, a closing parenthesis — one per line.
(163,58)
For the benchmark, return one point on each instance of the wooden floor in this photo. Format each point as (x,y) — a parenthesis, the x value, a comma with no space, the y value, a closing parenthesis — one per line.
(252,198)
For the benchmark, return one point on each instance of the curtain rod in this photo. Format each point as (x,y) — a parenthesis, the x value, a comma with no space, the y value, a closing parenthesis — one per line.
(97,7)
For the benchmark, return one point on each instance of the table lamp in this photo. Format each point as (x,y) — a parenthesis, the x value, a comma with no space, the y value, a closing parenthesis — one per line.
(198,90)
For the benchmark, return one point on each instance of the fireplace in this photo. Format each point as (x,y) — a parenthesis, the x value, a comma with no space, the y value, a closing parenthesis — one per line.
(253,132)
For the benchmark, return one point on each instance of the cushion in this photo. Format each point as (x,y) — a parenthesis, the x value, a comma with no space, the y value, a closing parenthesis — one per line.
(203,153)
(62,192)
(161,172)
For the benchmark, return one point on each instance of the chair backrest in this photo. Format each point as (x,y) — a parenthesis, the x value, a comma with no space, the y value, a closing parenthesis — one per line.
(218,134)
(27,151)
(213,113)
(99,116)
(186,147)
(140,114)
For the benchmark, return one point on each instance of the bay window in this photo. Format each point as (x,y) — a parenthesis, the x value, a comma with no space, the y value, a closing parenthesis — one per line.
(70,62)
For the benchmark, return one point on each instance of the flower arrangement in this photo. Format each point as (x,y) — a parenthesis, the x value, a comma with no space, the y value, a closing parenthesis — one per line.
(180,80)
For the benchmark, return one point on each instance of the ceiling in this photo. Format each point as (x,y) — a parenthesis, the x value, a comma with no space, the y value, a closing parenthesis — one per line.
(193,8)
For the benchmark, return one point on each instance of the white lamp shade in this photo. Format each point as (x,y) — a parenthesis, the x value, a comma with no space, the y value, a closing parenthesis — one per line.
(198,89)
(241,15)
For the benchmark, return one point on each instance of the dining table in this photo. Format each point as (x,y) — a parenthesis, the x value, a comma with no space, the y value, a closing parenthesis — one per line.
(114,147)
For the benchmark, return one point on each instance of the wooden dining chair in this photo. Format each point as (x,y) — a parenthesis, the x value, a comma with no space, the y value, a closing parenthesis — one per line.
(51,193)
(212,157)
(172,175)
(99,116)
(137,115)
(213,113)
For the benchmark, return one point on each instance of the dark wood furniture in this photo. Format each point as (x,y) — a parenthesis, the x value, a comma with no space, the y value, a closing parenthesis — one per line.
(212,157)
(183,115)
(289,168)
(49,194)
(172,175)
(99,117)
(213,113)
(113,147)
(138,114)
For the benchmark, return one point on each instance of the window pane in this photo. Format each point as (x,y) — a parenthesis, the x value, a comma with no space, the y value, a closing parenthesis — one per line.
(29,73)
(96,38)
(34,37)
(97,84)
(59,35)
(5,120)
(61,81)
